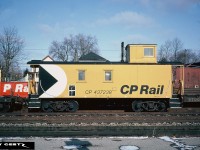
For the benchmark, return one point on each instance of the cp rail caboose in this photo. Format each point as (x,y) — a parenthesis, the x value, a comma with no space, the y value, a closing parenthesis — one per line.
(138,82)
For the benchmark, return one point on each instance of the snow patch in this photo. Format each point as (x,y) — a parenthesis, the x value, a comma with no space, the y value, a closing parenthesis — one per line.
(68,147)
(177,144)
(167,139)
(131,137)
(124,147)
(13,138)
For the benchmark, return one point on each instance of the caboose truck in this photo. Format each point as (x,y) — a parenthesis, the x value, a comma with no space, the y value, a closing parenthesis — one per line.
(138,82)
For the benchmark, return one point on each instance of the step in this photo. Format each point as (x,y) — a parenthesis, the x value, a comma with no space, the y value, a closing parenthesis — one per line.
(175,100)
(33,96)
(175,105)
(34,103)
(175,96)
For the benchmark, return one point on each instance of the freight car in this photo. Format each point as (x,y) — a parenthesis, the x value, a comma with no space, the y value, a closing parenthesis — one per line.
(138,82)
(12,95)
(191,96)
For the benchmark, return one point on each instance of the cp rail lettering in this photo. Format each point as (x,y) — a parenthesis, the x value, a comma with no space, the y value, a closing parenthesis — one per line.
(144,89)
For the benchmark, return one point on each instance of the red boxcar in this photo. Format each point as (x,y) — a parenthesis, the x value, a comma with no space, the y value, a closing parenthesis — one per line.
(192,77)
(19,89)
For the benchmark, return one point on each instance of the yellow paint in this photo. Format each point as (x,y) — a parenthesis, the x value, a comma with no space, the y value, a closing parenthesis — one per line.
(95,86)
(32,87)
(136,54)
(141,77)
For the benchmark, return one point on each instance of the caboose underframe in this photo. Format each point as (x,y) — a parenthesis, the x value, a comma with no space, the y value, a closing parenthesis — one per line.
(72,105)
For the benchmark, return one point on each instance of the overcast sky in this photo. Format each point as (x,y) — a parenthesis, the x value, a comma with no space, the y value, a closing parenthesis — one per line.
(39,22)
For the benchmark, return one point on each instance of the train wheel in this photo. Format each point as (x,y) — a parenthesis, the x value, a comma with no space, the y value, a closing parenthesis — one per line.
(137,106)
(73,106)
(48,110)
(46,107)
(59,106)
(5,107)
(1,107)
(159,106)
(162,106)
(152,106)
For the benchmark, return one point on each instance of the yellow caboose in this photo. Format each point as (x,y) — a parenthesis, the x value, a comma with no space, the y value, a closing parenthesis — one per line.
(138,81)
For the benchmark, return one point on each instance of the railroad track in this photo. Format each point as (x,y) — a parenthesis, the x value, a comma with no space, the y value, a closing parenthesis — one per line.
(179,122)
(103,116)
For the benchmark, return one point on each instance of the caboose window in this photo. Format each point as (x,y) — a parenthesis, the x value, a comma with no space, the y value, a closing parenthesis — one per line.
(108,75)
(148,52)
(72,90)
(81,75)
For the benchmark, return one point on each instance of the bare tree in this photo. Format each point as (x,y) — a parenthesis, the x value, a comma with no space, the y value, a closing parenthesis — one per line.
(187,56)
(198,55)
(11,49)
(58,51)
(169,50)
(177,45)
(173,51)
(165,51)
(73,47)
(86,44)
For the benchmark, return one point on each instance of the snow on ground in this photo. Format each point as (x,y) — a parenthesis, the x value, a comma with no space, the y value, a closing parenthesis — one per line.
(112,137)
(111,143)
(177,143)
(131,137)
(69,147)
(124,147)
(129,148)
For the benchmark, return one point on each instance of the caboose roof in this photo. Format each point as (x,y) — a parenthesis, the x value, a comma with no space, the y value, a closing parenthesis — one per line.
(38,62)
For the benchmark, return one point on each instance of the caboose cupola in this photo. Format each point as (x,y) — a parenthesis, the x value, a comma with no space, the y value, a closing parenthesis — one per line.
(141,53)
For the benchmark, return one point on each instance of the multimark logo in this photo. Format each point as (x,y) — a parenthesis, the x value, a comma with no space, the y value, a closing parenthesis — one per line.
(143,89)
(17,145)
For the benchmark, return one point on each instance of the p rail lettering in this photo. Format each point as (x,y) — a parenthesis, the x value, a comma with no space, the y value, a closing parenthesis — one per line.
(18,88)
(17,145)
(143,89)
